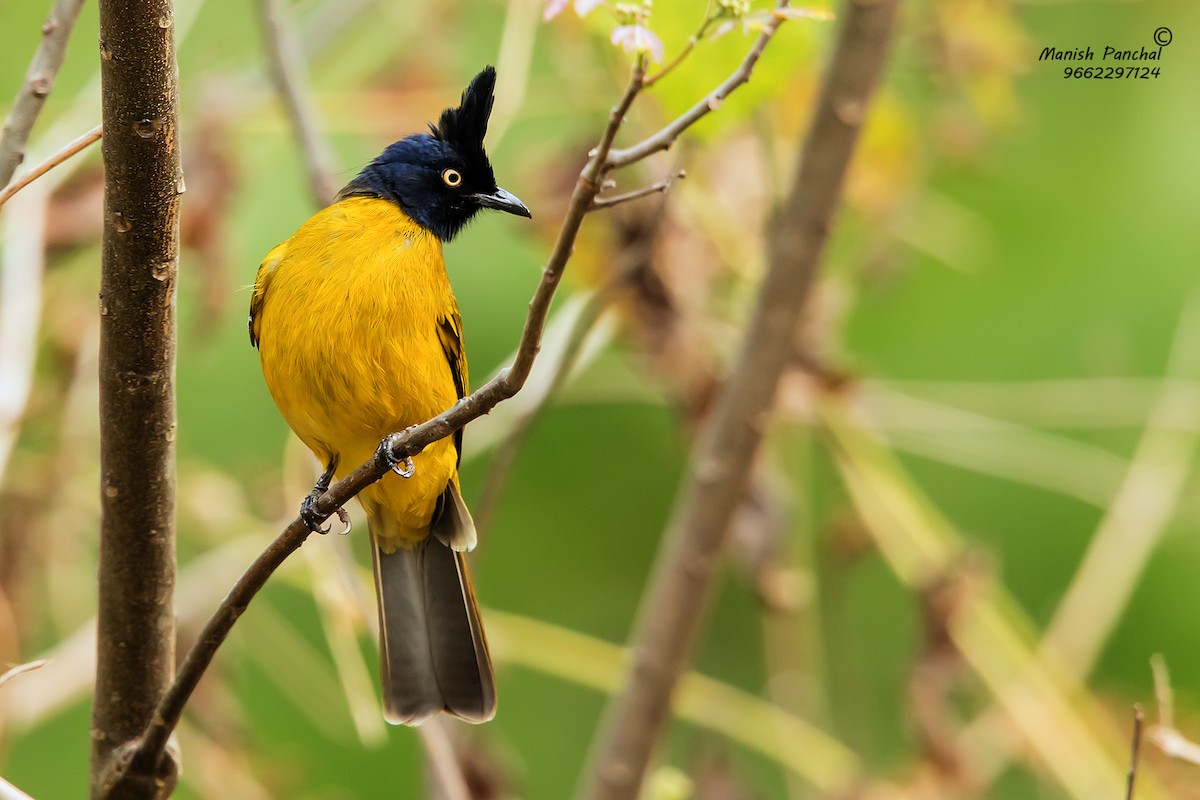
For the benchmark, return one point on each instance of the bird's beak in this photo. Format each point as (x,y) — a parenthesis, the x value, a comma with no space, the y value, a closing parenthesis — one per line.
(502,200)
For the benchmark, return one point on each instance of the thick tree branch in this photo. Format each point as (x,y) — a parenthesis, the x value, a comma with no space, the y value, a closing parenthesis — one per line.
(70,149)
(671,610)
(287,72)
(143,181)
(39,80)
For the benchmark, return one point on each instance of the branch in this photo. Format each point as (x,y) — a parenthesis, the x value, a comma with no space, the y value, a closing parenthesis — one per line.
(287,73)
(70,149)
(667,136)
(140,253)
(20,669)
(39,80)
(671,610)
(692,41)
(657,187)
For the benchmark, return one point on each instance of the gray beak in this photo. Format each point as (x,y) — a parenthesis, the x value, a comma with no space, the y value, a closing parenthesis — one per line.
(502,200)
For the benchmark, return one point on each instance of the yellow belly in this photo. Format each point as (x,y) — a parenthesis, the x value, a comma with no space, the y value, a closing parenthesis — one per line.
(348,337)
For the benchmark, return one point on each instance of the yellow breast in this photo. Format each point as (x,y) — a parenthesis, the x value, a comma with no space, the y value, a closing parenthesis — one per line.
(347,316)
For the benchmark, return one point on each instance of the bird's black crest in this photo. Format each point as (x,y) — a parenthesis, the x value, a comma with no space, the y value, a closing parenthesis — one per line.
(441,179)
(464,127)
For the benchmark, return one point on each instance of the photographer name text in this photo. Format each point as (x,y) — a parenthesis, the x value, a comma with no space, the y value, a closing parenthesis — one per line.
(1109,53)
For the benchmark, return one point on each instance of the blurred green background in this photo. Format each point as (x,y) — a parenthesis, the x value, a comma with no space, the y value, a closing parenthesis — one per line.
(1015,266)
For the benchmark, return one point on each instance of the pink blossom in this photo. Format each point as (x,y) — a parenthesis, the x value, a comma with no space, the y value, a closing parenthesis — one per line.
(553,9)
(638,39)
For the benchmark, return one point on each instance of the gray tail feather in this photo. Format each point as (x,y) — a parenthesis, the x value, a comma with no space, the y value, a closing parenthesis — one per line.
(433,651)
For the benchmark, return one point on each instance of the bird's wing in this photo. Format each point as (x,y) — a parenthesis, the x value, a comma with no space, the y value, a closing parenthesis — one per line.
(450,334)
(261,281)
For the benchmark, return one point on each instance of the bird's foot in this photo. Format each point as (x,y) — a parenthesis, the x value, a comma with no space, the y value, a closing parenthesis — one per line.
(308,506)
(403,467)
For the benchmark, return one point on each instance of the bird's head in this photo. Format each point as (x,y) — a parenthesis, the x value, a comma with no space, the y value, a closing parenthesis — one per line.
(441,179)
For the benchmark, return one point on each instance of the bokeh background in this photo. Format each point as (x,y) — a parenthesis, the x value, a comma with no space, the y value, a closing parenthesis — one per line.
(1005,346)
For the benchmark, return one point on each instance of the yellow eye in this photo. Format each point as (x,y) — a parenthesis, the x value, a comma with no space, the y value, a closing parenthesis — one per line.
(452,177)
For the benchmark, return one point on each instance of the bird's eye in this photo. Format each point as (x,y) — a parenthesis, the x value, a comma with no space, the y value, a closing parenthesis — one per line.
(452,177)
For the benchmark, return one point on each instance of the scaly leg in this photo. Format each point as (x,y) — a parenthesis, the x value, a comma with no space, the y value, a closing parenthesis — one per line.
(308,506)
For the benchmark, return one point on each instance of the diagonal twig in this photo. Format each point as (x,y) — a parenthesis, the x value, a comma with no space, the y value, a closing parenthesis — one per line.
(68,150)
(657,187)
(19,669)
(39,80)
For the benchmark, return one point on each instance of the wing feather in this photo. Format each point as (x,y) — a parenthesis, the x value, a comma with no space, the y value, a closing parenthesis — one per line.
(261,281)
(450,334)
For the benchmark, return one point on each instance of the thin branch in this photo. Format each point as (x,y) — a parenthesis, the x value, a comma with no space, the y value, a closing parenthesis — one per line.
(69,150)
(1135,749)
(288,75)
(657,187)
(671,610)
(39,80)
(667,136)
(20,669)
(692,41)
(394,449)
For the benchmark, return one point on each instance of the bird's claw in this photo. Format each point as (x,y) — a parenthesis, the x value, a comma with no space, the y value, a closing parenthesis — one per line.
(404,467)
(313,518)
(309,514)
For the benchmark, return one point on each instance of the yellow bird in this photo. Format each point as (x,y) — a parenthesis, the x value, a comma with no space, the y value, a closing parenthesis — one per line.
(360,336)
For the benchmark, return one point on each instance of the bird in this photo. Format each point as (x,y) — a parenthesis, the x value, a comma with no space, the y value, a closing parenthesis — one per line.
(359,336)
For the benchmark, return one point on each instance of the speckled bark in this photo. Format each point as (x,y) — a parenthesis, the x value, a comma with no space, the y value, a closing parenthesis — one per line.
(143,181)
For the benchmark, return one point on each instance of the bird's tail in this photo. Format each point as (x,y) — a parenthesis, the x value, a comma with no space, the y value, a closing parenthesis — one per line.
(433,651)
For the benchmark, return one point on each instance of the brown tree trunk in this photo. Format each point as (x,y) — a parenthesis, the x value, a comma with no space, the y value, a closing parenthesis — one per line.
(143,181)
